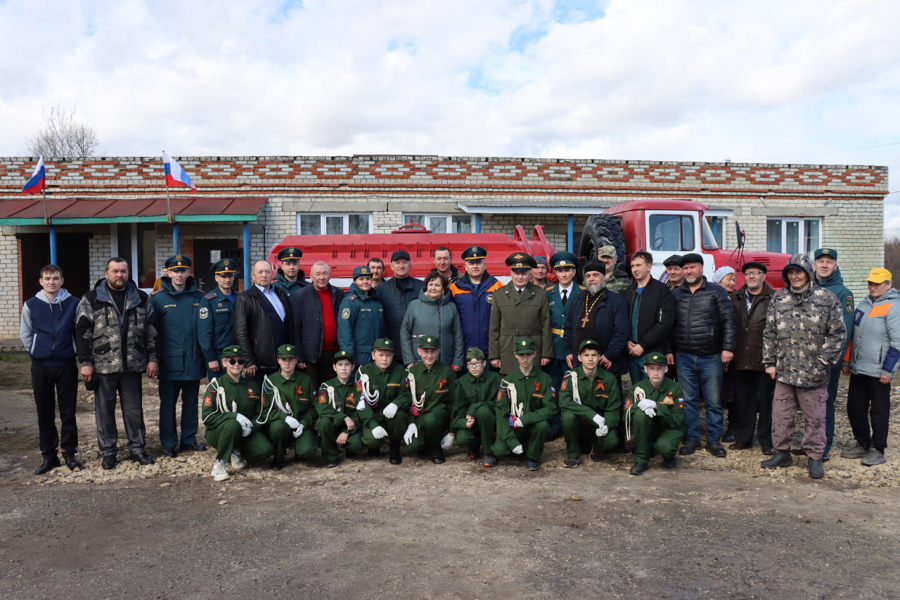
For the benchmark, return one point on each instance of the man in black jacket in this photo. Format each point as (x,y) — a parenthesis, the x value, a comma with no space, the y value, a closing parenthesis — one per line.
(314,311)
(650,314)
(262,322)
(395,294)
(704,340)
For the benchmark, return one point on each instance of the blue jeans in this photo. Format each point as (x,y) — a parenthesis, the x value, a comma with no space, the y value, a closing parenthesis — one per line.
(701,375)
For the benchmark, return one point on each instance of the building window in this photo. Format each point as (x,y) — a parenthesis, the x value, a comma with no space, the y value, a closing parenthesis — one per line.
(333,223)
(443,223)
(793,235)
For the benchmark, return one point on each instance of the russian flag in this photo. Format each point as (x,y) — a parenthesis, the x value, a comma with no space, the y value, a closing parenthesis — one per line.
(175,175)
(38,179)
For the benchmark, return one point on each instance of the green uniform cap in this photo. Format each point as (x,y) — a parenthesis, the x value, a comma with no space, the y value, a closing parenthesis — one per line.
(286,351)
(429,341)
(231,351)
(525,346)
(589,344)
(562,260)
(520,260)
(656,358)
(384,344)
(474,353)
(342,355)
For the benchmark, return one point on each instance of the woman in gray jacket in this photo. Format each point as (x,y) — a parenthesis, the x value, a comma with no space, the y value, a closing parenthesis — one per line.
(433,313)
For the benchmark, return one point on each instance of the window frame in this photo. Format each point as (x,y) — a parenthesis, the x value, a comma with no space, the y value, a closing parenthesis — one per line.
(452,219)
(805,246)
(323,220)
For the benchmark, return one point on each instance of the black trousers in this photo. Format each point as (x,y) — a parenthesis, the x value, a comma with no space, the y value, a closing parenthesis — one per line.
(322,370)
(55,385)
(128,387)
(869,402)
(752,398)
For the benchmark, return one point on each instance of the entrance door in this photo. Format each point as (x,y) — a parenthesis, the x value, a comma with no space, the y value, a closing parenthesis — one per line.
(209,252)
(71,253)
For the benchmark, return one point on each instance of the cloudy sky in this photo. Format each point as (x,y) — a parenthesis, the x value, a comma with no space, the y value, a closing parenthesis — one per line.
(794,81)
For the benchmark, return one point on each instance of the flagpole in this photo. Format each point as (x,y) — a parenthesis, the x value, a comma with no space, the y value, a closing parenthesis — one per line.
(52,229)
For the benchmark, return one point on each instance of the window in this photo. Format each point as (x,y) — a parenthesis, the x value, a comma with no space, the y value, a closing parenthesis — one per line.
(317,224)
(717,229)
(443,223)
(793,235)
(671,232)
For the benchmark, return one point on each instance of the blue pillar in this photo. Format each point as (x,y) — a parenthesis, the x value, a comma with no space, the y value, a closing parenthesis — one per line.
(246,254)
(570,234)
(176,243)
(477,223)
(53,245)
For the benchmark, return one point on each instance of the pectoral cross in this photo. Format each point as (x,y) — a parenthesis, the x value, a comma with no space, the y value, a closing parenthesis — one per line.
(584,321)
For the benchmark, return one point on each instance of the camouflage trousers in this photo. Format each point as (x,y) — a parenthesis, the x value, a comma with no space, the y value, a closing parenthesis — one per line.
(811,401)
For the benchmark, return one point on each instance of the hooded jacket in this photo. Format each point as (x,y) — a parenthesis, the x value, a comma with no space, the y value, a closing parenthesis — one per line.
(47,329)
(804,331)
(427,316)
(834,283)
(875,349)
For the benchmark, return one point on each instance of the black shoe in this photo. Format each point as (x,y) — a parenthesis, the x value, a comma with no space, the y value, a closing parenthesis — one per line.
(638,468)
(48,465)
(170,452)
(739,446)
(688,448)
(109,462)
(571,463)
(142,458)
(533,465)
(277,464)
(779,459)
(394,454)
(489,460)
(826,457)
(73,462)
(196,447)
(716,450)
(729,436)
(596,457)
(768,450)
(374,452)
(670,462)
(798,451)
(331,464)
(438,459)
(816,471)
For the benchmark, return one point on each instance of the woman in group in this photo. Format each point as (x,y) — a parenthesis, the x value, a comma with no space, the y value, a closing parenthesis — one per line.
(433,313)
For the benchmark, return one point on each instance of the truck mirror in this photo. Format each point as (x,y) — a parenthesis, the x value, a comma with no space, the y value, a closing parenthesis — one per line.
(739,235)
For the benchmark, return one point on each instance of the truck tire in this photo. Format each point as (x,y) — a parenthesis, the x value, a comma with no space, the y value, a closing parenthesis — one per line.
(603,230)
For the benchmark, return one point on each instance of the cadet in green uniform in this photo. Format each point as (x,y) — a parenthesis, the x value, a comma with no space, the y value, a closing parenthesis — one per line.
(380,393)
(289,276)
(216,317)
(655,409)
(430,394)
(474,417)
(230,406)
(590,403)
(287,413)
(339,425)
(525,404)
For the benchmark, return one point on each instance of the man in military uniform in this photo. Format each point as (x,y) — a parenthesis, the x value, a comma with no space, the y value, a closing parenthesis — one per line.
(560,297)
(215,319)
(526,401)
(339,425)
(656,414)
(590,404)
(230,409)
(520,310)
(430,385)
(616,278)
(380,393)
(289,276)
(473,294)
(286,412)
(360,317)
(176,307)
(474,416)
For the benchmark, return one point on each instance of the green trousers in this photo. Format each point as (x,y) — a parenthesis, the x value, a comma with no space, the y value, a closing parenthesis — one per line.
(431,426)
(483,432)
(532,437)
(581,436)
(395,427)
(644,430)
(329,429)
(226,438)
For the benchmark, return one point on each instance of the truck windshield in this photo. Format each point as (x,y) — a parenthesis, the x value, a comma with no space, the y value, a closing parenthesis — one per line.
(709,240)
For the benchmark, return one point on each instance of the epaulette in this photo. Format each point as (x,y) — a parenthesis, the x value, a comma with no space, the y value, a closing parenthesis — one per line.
(157,291)
(352,297)
(211,295)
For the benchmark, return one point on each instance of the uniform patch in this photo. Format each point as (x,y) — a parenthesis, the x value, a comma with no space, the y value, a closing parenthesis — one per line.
(345,314)
(537,386)
(599,386)
(204,313)
(565,384)
(207,401)
(489,298)
(299,389)
(323,397)
(848,304)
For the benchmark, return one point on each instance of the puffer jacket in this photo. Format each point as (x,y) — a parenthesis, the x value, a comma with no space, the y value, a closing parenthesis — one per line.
(875,349)
(114,342)
(750,326)
(427,316)
(704,320)
(804,331)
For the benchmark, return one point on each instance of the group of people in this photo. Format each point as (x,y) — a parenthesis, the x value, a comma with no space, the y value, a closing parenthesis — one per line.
(460,358)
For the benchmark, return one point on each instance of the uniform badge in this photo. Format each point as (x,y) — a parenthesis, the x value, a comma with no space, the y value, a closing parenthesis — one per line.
(537,386)
(323,397)
(204,313)
(564,385)
(489,298)
(299,389)
(345,314)
(207,401)
(441,384)
(848,305)
(599,386)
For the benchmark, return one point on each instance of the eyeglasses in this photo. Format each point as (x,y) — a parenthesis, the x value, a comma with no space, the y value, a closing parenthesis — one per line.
(752,273)
(235,361)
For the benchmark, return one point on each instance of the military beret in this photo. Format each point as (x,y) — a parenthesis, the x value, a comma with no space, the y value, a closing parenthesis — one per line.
(754,265)
(520,260)
(226,265)
(286,351)
(589,344)
(606,251)
(362,271)
(429,342)
(563,260)
(399,255)
(290,252)
(825,252)
(595,265)
(693,257)
(474,352)
(474,253)
(341,355)
(383,344)
(656,358)
(676,260)
(233,350)
(525,346)
(179,261)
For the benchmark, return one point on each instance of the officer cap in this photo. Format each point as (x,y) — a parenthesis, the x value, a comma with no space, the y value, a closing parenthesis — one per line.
(232,351)
(286,351)
(226,265)
(606,251)
(384,344)
(429,341)
(563,260)
(878,275)
(754,265)
(520,260)
(592,344)
(474,352)
(676,260)
(656,358)
(289,253)
(474,253)
(362,271)
(693,257)
(595,265)
(179,261)
(399,255)
(825,252)
(341,355)
(540,260)
(525,346)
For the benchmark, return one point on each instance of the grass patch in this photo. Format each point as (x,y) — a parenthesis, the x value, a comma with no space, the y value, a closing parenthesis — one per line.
(15,371)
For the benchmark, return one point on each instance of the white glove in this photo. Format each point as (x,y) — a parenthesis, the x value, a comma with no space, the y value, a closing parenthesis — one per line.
(299,431)
(379,433)
(517,422)
(648,406)
(390,411)
(361,405)
(601,431)
(292,422)
(518,449)
(447,441)
(411,432)
(600,421)
(246,425)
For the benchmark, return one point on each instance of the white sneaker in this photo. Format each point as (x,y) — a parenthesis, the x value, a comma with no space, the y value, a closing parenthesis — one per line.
(218,471)
(237,461)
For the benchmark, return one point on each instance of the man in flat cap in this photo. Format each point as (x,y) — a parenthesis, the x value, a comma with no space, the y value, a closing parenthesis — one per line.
(674,275)
(473,294)
(176,311)
(215,319)
(289,276)
(396,293)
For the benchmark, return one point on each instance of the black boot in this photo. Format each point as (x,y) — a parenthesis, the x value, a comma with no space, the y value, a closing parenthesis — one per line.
(394,455)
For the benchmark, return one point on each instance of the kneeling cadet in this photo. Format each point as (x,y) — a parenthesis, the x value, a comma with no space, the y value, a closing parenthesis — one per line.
(380,393)
(430,391)
(473,423)
(339,425)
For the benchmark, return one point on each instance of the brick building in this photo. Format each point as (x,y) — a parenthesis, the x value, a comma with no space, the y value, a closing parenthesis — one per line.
(117,206)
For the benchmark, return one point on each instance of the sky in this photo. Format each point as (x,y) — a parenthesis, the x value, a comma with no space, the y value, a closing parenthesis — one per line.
(685,80)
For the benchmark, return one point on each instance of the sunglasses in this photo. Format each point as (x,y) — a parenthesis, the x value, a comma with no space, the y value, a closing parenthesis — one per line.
(235,361)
